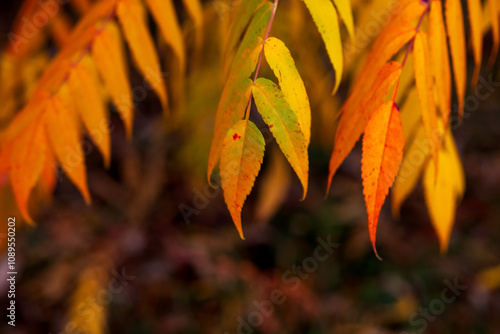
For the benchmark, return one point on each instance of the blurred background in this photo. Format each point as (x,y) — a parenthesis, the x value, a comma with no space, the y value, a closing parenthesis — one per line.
(157,252)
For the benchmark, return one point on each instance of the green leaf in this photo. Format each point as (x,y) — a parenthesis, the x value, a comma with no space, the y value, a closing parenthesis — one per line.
(281,62)
(283,124)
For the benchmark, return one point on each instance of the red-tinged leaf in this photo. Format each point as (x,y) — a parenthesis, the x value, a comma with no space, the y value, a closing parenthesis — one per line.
(284,126)
(133,23)
(109,57)
(423,82)
(84,86)
(234,100)
(63,130)
(475,21)
(439,59)
(26,164)
(241,157)
(456,35)
(353,121)
(383,144)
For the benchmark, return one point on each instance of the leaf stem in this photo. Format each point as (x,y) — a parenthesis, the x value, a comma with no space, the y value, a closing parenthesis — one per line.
(410,47)
(269,25)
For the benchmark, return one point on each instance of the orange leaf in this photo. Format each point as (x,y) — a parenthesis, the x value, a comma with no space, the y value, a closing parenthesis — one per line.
(109,57)
(475,21)
(164,14)
(423,82)
(354,120)
(84,87)
(26,164)
(241,158)
(495,28)
(456,35)
(132,19)
(63,131)
(383,144)
(439,59)
(390,40)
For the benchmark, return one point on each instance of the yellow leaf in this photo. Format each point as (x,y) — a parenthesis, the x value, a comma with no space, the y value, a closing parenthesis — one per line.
(130,13)
(456,35)
(281,62)
(326,19)
(353,121)
(108,54)
(63,130)
(383,144)
(444,190)
(475,21)
(274,187)
(344,9)
(423,82)
(439,59)
(26,164)
(84,86)
(410,114)
(241,158)
(413,163)
(164,14)
(283,123)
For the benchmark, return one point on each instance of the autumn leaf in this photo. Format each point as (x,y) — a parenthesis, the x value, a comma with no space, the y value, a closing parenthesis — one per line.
(283,123)
(456,35)
(274,188)
(344,9)
(423,82)
(281,62)
(27,163)
(383,144)
(475,21)
(353,122)
(108,54)
(326,19)
(244,13)
(414,161)
(442,191)
(84,86)
(241,157)
(131,16)
(495,27)
(163,12)
(62,128)
(233,101)
(439,59)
